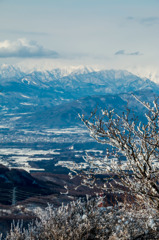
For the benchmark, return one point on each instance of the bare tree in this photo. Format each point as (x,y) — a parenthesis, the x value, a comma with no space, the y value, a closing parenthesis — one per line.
(138,142)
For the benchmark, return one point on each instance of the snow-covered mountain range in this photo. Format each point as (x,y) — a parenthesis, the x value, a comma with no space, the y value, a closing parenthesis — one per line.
(36,93)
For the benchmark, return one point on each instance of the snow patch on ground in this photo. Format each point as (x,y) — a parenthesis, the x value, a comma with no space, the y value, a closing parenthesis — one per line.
(24,96)
(20,158)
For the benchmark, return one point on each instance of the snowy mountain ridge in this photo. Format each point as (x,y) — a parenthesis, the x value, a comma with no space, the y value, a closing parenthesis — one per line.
(8,71)
(11,71)
(25,90)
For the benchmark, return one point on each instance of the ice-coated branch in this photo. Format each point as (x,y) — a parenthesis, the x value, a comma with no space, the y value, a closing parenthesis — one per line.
(137,141)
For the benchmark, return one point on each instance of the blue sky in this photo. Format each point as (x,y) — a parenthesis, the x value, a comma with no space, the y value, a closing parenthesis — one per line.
(120,34)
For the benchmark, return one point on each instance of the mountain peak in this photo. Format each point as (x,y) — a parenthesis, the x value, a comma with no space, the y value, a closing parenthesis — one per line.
(82,70)
(9,71)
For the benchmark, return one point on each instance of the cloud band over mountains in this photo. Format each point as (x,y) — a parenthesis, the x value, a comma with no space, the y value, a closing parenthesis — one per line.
(23,48)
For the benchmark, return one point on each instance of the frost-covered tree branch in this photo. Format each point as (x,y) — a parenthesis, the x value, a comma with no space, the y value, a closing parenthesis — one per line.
(137,141)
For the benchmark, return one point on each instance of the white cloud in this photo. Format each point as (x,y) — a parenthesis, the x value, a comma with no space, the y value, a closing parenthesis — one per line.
(25,49)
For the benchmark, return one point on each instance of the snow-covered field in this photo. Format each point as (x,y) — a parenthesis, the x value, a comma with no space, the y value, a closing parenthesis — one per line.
(21,148)
(20,158)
